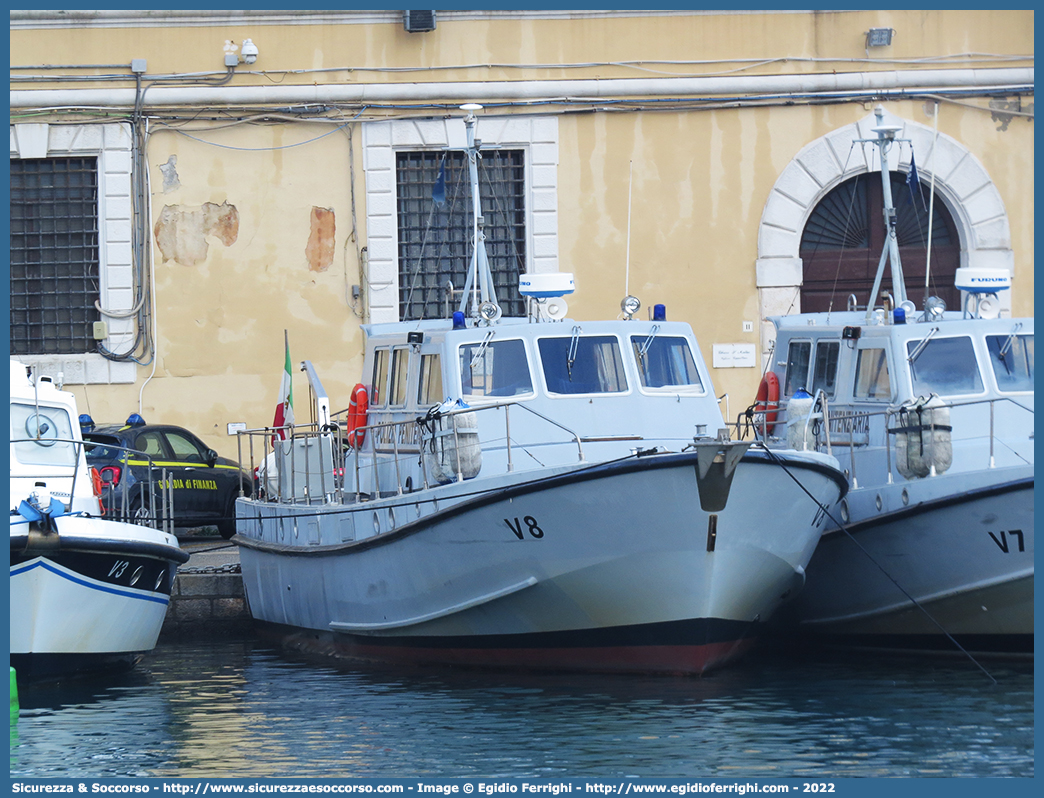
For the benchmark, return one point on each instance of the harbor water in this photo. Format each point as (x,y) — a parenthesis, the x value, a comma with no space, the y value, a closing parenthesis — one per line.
(233,708)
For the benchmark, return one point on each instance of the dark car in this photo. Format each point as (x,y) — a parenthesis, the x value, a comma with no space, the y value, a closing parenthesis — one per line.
(139,462)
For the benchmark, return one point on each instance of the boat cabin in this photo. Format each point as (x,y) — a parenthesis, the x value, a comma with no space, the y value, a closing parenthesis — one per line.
(46,446)
(517,394)
(980,369)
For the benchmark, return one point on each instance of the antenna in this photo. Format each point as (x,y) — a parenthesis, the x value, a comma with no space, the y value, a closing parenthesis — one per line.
(885,138)
(627,257)
(480,278)
(931,204)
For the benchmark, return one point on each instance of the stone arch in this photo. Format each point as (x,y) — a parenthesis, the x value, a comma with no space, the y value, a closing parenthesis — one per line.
(960,179)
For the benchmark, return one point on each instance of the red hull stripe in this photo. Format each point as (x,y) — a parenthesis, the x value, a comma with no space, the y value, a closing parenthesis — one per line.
(693,659)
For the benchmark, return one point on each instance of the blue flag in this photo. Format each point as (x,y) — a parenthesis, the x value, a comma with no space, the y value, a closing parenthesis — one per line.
(914,183)
(438,191)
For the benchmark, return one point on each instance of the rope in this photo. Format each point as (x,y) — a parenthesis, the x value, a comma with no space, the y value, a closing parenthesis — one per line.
(772,455)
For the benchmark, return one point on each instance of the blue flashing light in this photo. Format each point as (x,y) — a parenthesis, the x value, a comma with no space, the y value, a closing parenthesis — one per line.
(458,320)
(134,420)
(659,313)
(86,423)
(899,316)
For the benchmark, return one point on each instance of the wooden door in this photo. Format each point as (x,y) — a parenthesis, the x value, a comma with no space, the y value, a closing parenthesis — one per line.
(843,238)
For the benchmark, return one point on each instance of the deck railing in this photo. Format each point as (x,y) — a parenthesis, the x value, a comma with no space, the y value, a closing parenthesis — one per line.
(156,506)
(832,428)
(324,478)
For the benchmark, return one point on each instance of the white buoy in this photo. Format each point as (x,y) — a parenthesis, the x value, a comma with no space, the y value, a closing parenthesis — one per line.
(799,434)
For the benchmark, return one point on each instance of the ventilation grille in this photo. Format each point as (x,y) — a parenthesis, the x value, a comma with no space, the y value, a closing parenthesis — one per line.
(418,21)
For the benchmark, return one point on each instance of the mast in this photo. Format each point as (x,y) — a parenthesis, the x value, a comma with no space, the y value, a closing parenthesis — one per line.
(480,278)
(890,252)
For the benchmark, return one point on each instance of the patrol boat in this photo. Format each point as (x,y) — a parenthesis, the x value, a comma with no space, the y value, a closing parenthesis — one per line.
(930,412)
(533,493)
(87,594)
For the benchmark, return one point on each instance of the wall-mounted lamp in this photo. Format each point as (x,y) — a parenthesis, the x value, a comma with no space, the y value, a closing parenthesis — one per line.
(879,37)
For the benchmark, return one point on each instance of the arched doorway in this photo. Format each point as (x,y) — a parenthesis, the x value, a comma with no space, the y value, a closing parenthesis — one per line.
(843,238)
(973,203)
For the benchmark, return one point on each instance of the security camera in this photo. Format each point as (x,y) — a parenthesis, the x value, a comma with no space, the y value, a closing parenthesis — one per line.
(249,51)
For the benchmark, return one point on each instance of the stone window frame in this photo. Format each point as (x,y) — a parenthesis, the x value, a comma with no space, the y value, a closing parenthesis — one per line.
(111,144)
(960,179)
(536,136)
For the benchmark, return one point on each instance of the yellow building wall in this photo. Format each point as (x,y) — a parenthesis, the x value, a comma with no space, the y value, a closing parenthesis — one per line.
(229,284)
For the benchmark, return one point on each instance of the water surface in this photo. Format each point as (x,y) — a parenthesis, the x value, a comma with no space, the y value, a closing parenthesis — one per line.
(234,708)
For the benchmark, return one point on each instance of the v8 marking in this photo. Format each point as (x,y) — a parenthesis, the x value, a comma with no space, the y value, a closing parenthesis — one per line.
(533,528)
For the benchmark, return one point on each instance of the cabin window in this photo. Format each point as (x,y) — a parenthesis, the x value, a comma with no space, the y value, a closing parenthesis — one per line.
(944,366)
(798,357)
(872,380)
(400,376)
(499,368)
(665,362)
(1012,359)
(824,376)
(591,364)
(49,433)
(429,387)
(380,378)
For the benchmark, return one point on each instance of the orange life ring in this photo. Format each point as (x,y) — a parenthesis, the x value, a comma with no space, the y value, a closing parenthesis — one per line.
(99,487)
(357,410)
(767,401)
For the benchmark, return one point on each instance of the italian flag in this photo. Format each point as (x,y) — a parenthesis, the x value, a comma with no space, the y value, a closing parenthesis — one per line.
(284,414)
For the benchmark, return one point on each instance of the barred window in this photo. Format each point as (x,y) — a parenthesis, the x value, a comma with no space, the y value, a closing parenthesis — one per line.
(54,255)
(435,237)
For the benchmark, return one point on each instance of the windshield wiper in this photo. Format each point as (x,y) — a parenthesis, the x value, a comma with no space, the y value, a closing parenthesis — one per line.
(643,350)
(574,342)
(1007,346)
(920,347)
(482,348)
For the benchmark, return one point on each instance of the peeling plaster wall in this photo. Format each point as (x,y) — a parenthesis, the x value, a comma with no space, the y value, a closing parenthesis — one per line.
(320,247)
(181,233)
(245,247)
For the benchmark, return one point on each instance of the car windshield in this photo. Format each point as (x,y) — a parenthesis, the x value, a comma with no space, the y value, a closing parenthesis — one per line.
(101,447)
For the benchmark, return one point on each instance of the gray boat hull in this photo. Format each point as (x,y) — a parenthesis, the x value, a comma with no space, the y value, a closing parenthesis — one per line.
(609,567)
(965,558)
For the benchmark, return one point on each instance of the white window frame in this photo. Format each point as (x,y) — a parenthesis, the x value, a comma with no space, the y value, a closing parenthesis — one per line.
(111,145)
(536,136)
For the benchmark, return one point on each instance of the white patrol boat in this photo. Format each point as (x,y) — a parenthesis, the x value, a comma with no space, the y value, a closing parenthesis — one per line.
(87,594)
(527,493)
(930,412)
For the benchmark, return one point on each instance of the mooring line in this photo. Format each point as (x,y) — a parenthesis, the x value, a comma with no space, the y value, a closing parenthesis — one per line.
(772,455)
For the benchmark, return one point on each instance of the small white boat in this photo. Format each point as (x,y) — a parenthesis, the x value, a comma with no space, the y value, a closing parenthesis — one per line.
(527,493)
(87,594)
(930,413)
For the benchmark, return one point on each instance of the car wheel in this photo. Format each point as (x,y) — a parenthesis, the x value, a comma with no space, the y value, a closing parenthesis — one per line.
(138,513)
(227,524)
